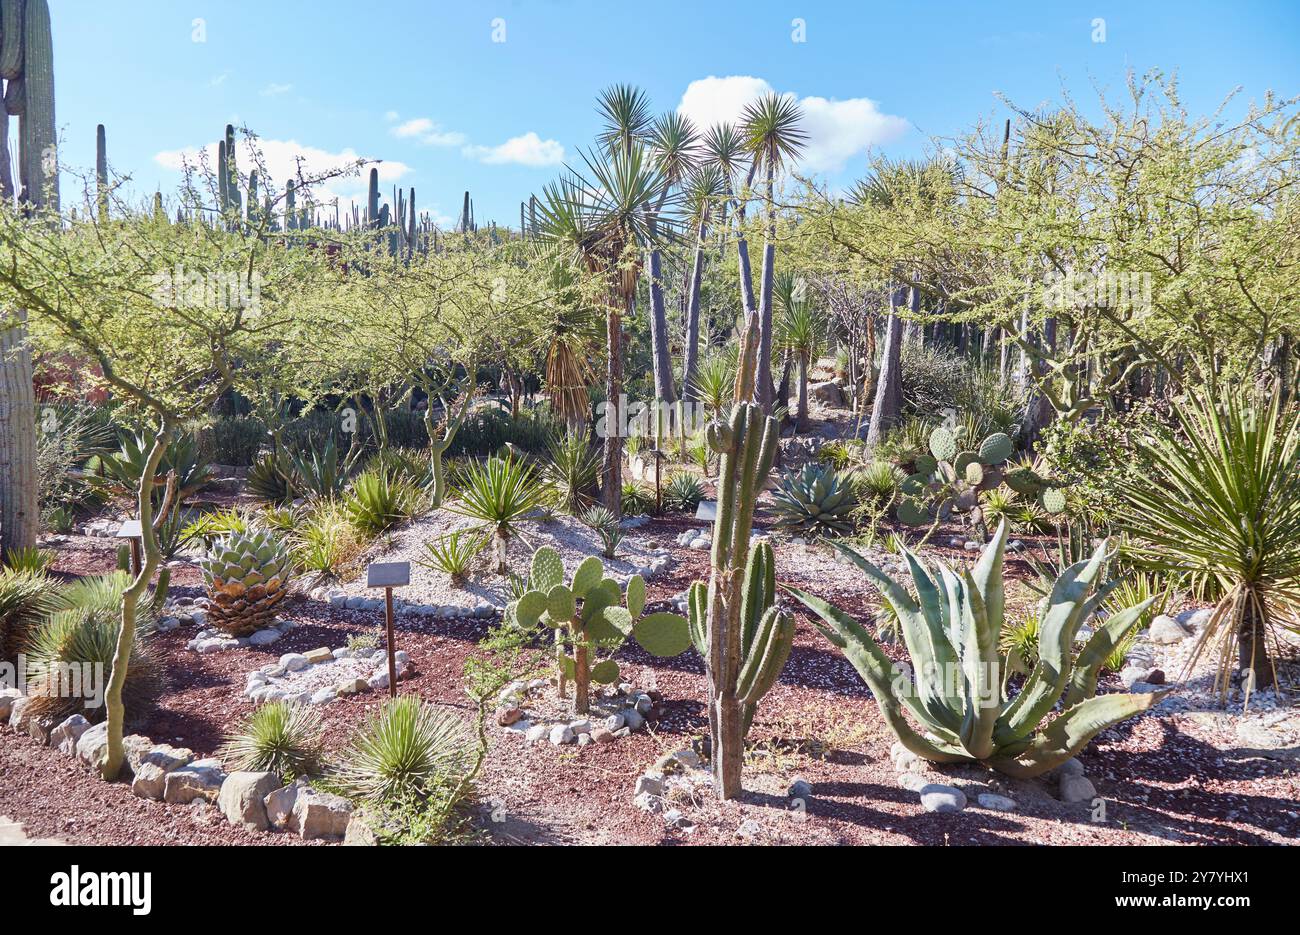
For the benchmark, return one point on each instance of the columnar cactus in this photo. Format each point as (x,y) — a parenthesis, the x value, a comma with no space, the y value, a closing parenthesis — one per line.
(956,692)
(589,615)
(38,159)
(101,172)
(738,597)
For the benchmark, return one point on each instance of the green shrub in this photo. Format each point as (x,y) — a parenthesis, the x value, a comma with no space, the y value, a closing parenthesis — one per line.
(122,469)
(636,500)
(377,502)
(683,492)
(574,471)
(235,442)
(269,479)
(405,748)
(317,472)
(454,553)
(278,737)
(82,634)
(878,481)
(27,597)
(410,465)
(325,541)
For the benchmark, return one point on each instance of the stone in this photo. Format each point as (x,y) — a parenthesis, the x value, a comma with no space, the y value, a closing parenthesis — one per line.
(632,720)
(243,799)
(644,703)
(294,662)
(800,789)
(162,755)
(912,782)
(536,733)
(38,728)
(321,815)
(351,686)
(1155,677)
(648,785)
(904,759)
(7,698)
(1195,620)
(623,732)
(996,803)
(584,739)
(19,713)
(936,797)
(149,782)
(64,737)
(828,393)
(701,544)
(614,722)
(379,680)
(195,781)
(359,832)
(1077,789)
(324,695)
(320,654)
(279,803)
(748,830)
(1070,767)
(561,734)
(92,746)
(264,637)
(1166,630)
(602,735)
(508,714)
(582,726)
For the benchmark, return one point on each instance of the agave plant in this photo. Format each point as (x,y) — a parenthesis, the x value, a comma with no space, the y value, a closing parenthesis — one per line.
(281,738)
(956,693)
(499,493)
(377,501)
(247,575)
(605,524)
(574,471)
(182,455)
(683,492)
(269,479)
(815,500)
(453,554)
(317,471)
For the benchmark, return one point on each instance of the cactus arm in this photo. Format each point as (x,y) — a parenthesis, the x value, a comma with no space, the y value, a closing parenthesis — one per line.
(758,595)
(697,600)
(1083,677)
(1069,733)
(762,668)
(722,527)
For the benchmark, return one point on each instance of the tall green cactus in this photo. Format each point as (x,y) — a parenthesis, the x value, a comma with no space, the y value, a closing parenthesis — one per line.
(741,634)
(38,137)
(603,621)
(101,172)
(956,692)
(439,442)
(372,199)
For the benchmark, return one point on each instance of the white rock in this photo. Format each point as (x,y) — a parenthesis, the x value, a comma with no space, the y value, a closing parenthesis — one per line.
(321,815)
(279,803)
(149,781)
(264,637)
(537,733)
(936,797)
(64,737)
(561,734)
(19,713)
(997,803)
(1077,789)
(199,780)
(1165,630)
(243,799)
(294,662)
(92,746)
(7,698)
(324,695)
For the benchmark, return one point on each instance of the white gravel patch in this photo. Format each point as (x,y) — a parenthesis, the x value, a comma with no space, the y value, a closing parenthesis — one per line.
(432,591)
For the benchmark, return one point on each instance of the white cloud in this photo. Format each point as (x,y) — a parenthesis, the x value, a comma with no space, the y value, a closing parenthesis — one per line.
(526,150)
(837,130)
(424,130)
(273,89)
(280,158)
(217,81)
(391,115)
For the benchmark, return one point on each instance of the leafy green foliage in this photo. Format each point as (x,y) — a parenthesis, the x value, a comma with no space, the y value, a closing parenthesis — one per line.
(377,502)
(574,471)
(454,553)
(683,492)
(816,500)
(637,500)
(278,737)
(499,493)
(605,524)
(27,597)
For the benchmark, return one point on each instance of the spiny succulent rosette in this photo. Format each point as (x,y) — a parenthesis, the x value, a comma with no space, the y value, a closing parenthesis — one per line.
(956,693)
(592,618)
(815,500)
(246,574)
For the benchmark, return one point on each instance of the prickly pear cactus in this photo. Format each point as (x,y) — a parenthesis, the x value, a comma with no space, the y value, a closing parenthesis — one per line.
(950,479)
(592,615)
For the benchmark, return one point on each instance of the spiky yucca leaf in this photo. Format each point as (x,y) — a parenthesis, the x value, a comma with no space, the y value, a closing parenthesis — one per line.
(407,747)
(280,738)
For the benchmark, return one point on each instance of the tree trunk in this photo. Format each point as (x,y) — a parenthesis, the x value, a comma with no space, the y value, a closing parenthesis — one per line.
(663,364)
(115,711)
(887,408)
(581,675)
(802,421)
(612,470)
(749,308)
(692,350)
(763,387)
(19,506)
(1252,647)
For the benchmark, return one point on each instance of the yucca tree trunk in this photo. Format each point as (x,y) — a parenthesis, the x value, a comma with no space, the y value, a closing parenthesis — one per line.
(763,386)
(692,351)
(802,421)
(19,507)
(1252,646)
(662,363)
(888,405)
(749,307)
(612,469)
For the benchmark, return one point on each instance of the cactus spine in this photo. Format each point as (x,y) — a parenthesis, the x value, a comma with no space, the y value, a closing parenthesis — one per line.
(743,637)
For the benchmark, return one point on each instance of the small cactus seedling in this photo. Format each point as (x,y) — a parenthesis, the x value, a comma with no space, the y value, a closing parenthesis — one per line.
(591,615)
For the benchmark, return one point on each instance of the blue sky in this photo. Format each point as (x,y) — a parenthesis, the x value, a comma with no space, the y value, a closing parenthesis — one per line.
(425,87)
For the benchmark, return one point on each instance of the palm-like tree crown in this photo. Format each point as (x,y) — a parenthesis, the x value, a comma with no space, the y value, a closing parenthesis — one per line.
(773,130)
(625,110)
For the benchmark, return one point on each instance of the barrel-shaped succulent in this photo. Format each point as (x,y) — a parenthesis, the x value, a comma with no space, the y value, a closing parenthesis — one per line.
(955,691)
(247,575)
(591,616)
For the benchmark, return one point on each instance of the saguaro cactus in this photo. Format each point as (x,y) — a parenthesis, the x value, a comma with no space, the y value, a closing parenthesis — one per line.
(743,637)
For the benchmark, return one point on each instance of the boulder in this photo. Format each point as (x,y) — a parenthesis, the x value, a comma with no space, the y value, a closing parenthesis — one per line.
(1166,630)
(996,803)
(163,755)
(321,654)
(293,662)
(321,815)
(7,698)
(351,686)
(1077,789)
(19,713)
(264,637)
(936,797)
(65,735)
(150,781)
(243,799)
(561,734)
(279,804)
(195,781)
(828,393)
(359,832)
(92,746)
(39,728)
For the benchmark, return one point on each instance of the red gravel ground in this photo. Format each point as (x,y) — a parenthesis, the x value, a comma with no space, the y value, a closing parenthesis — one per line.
(1164,778)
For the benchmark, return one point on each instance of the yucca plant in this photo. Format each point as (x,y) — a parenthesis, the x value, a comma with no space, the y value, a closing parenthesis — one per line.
(406,748)
(878,481)
(30,559)
(605,524)
(453,554)
(324,540)
(816,500)
(574,471)
(78,644)
(637,500)
(499,493)
(278,737)
(317,472)
(714,382)
(1221,499)
(683,492)
(1141,587)
(951,631)
(27,598)
(378,502)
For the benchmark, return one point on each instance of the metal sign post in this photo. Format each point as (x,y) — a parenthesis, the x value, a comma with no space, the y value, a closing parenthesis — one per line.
(134,534)
(389,575)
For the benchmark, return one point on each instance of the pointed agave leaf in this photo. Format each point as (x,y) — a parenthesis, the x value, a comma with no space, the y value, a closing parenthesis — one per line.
(890,686)
(980,670)
(1069,733)
(1083,679)
(635,595)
